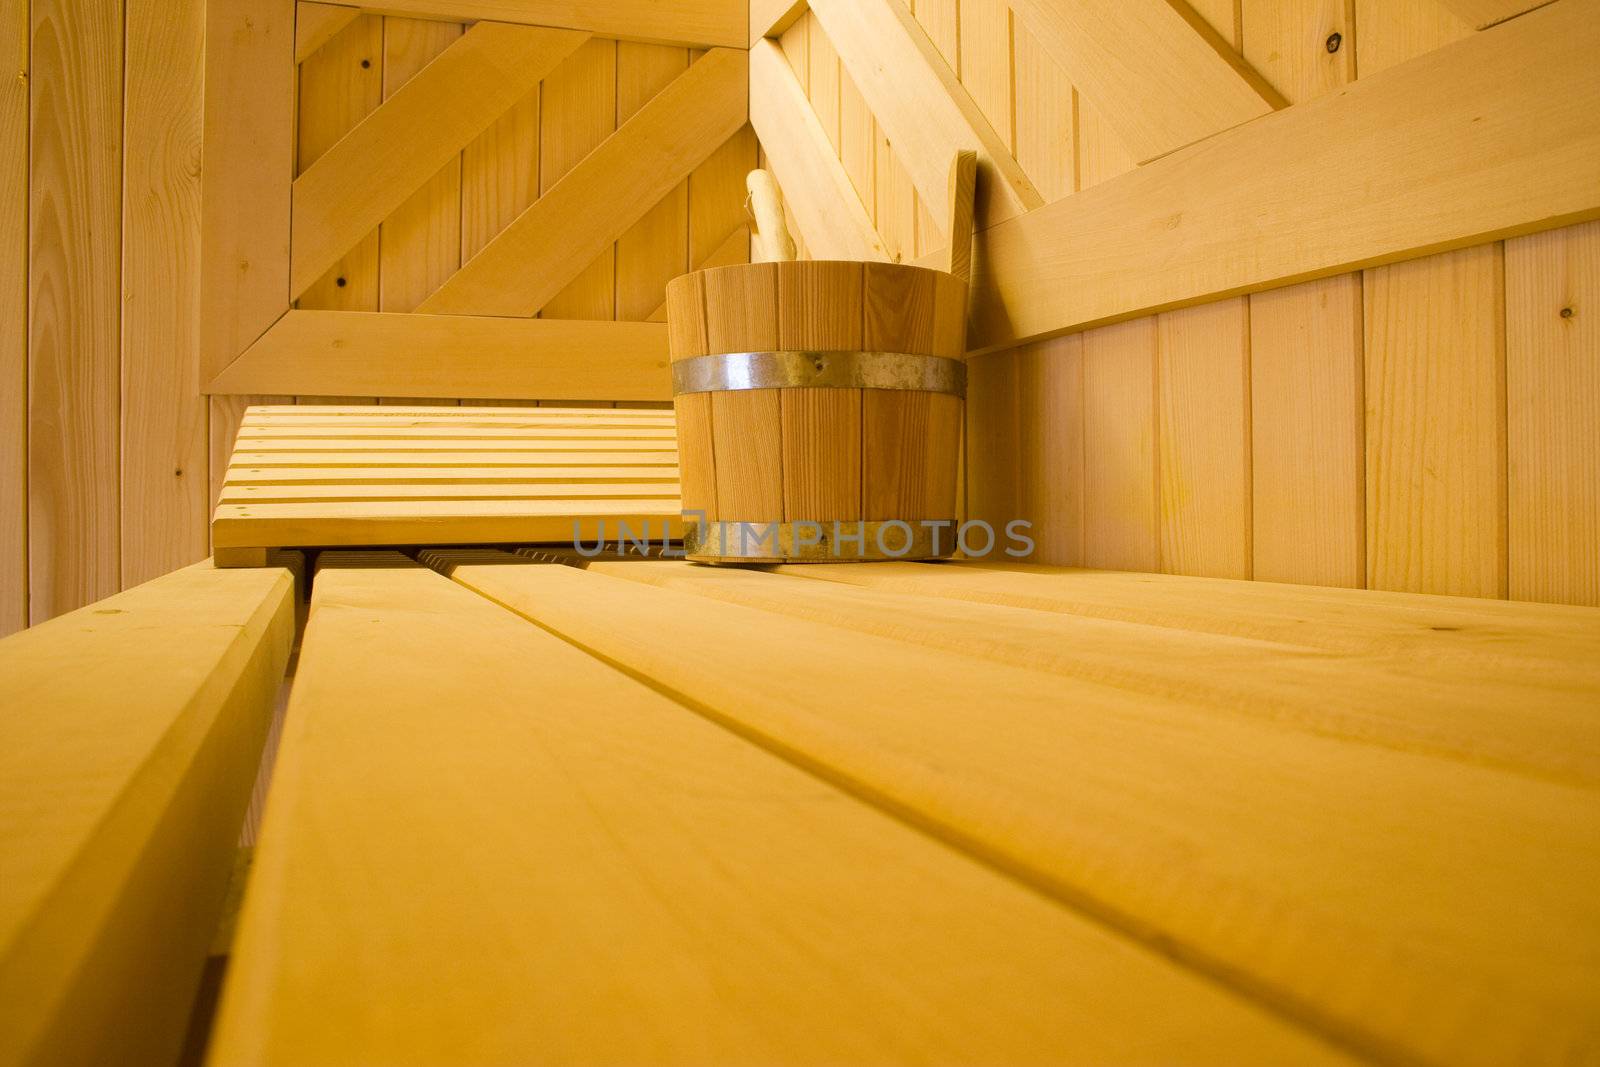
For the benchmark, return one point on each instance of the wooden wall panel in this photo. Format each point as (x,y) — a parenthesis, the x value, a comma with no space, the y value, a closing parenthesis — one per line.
(580,111)
(164,438)
(14,38)
(655,249)
(1203,379)
(1435,437)
(1306,431)
(993,443)
(1121,512)
(75,224)
(1051,462)
(1553,413)
(1044,126)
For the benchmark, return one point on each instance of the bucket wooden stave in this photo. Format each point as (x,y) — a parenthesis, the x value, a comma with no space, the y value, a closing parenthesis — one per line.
(820,455)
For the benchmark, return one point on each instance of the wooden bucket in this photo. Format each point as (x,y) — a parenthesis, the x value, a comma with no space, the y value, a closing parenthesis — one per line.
(819,410)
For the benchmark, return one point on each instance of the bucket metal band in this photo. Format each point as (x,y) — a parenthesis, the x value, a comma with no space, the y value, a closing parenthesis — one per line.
(819,370)
(846,541)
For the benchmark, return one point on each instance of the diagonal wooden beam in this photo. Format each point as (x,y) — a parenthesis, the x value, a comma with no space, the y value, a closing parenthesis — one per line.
(371,171)
(1491,137)
(249,159)
(832,221)
(699,23)
(545,247)
(1161,76)
(316,24)
(1480,14)
(769,18)
(356,353)
(923,109)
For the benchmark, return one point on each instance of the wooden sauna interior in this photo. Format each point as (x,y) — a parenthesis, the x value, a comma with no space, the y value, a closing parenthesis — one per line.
(1283,747)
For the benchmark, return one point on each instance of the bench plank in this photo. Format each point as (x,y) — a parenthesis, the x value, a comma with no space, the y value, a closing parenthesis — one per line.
(130,731)
(486,847)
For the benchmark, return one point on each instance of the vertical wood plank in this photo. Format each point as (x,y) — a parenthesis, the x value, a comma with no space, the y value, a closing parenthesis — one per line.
(1101,154)
(941,20)
(896,210)
(1287,42)
(820,306)
(993,440)
(822,81)
(686,339)
(900,446)
(420,243)
(499,174)
(1046,138)
(579,110)
(75,223)
(1120,503)
(1308,500)
(1203,371)
(1050,410)
(339,86)
(747,426)
(1435,424)
(655,249)
(1388,33)
(1553,409)
(14,37)
(857,137)
(716,201)
(985,31)
(164,443)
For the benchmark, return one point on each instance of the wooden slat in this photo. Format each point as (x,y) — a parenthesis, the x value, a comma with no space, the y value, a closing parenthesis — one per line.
(1494,136)
(423,477)
(15,33)
(75,218)
(1046,130)
(580,489)
(1307,434)
(316,24)
(432,415)
(1121,505)
(747,424)
(1051,469)
(474,459)
(1353,902)
(164,437)
(922,108)
(655,249)
(249,154)
(1162,78)
(500,173)
(821,307)
(1203,385)
(823,906)
(1553,395)
(832,221)
(702,23)
(401,145)
(534,257)
(530,441)
(367,354)
(1390,34)
(429,436)
(431,522)
(770,18)
(1288,41)
(1511,712)
(992,445)
(1436,425)
(130,737)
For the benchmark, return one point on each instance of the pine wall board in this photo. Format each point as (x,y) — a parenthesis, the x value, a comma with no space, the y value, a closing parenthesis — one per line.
(14,40)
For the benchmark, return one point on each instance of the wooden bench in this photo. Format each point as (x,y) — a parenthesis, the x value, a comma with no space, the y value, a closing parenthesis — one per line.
(630,812)
(319,476)
(130,733)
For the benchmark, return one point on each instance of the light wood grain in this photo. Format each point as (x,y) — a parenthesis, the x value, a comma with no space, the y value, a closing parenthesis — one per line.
(529,262)
(419,242)
(1552,397)
(365,354)
(921,106)
(14,251)
(1287,42)
(770,18)
(1162,80)
(992,446)
(74,214)
(830,217)
(500,173)
(1121,505)
(686,337)
(1046,133)
(1051,473)
(164,436)
(424,123)
(1481,13)
(1390,34)
(1488,137)
(578,113)
(718,228)
(1436,425)
(655,249)
(807,884)
(1308,501)
(315,24)
(1203,379)
(249,139)
(113,887)
(822,306)
(742,315)
(1352,903)
(701,23)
